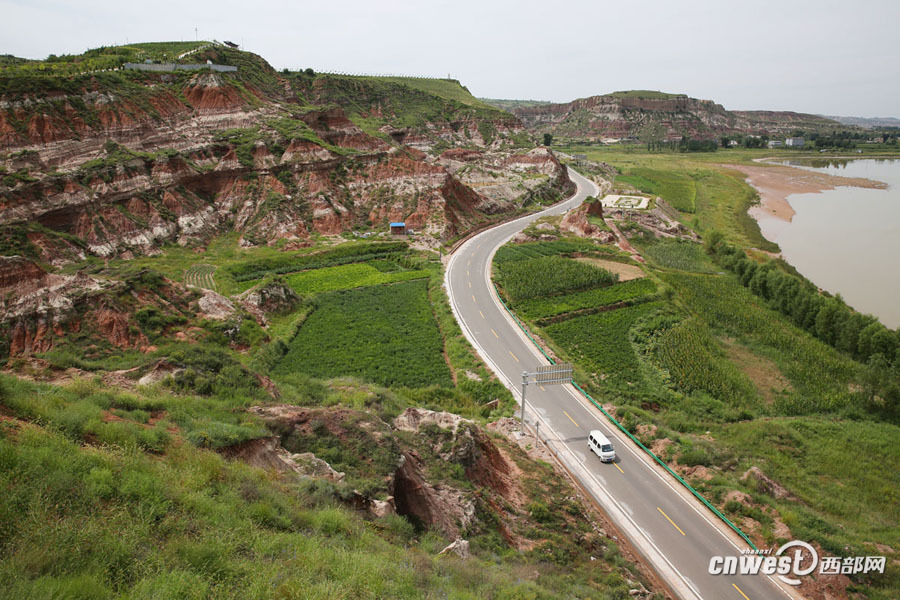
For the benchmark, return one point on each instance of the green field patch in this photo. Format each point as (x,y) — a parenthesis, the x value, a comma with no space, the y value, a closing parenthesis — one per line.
(514,252)
(844,497)
(539,277)
(818,373)
(345,277)
(289,263)
(678,189)
(600,342)
(696,363)
(384,334)
(541,308)
(679,254)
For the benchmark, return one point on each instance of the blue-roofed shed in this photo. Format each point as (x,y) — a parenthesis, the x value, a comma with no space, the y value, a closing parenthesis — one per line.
(398,228)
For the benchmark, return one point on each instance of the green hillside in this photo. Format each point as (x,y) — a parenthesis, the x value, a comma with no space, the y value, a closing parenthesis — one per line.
(449,89)
(646,95)
(511,105)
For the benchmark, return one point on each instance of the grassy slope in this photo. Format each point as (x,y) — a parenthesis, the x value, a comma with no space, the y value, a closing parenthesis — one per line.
(449,89)
(372,102)
(90,512)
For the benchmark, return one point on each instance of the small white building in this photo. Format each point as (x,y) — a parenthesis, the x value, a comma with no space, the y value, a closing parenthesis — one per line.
(775,143)
(794,142)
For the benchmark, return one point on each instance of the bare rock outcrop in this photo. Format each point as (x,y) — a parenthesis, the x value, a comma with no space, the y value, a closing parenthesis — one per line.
(215,306)
(274,297)
(413,419)
(765,484)
(442,507)
(577,221)
(459,547)
(267,453)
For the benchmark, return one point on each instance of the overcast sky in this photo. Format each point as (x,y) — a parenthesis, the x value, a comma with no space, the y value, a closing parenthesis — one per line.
(822,56)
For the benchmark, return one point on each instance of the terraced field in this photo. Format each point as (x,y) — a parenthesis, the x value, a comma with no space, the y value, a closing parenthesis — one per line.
(201,276)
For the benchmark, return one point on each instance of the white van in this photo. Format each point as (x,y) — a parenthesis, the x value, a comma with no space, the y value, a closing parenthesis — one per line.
(601,446)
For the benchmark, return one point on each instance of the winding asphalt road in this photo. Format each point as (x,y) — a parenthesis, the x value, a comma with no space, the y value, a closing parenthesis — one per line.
(676,533)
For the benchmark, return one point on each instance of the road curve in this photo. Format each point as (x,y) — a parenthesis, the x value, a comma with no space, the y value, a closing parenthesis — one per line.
(676,533)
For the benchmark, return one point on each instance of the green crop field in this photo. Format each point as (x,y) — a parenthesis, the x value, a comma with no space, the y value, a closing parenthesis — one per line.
(288,263)
(384,334)
(551,306)
(349,276)
(513,252)
(695,363)
(679,255)
(600,343)
(678,189)
(539,277)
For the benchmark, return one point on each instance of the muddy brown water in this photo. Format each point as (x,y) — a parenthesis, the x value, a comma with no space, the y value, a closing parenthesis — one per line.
(847,240)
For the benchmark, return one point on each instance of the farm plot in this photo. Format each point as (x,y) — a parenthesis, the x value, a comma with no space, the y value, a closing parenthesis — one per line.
(696,363)
(386,334)
(818,372)
(200,276)
(678,189)
(345,277)
(542,308)
(548,275)
(680,255)
(600,343)
(298,261)
(513,252)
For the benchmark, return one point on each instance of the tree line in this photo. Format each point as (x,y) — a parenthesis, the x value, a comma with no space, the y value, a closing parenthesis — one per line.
(826,317)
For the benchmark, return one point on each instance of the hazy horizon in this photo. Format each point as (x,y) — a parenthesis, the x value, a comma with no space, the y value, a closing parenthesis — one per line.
(822,57)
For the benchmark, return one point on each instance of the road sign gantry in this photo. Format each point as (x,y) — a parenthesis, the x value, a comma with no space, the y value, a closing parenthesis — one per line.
(558,374)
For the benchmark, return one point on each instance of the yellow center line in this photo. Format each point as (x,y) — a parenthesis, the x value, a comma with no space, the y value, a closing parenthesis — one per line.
(670,520)
(542,388)
(513,355)
(467,272)
(740,591)
(495,333)
(619,468)
(470,285)
(570,418)
(473,299)
(481,313)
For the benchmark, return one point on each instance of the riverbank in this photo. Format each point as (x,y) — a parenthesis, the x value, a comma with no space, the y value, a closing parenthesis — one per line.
(775,183)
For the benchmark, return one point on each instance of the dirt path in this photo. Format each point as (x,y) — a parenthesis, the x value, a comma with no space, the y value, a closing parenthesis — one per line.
(624,271)
(623,242)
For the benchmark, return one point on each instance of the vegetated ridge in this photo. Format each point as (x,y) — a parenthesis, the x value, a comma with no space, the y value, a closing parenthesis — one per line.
(660,116)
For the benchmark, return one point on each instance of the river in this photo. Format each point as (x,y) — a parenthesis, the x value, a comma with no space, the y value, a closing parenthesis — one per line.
(847,240)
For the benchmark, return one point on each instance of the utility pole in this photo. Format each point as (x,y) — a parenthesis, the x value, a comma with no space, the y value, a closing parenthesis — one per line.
(196,37)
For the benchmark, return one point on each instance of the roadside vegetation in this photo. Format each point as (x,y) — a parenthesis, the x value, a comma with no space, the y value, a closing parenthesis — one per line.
(723,359)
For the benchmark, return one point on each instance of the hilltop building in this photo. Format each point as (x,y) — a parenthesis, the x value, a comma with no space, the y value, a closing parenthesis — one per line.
(795,142)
